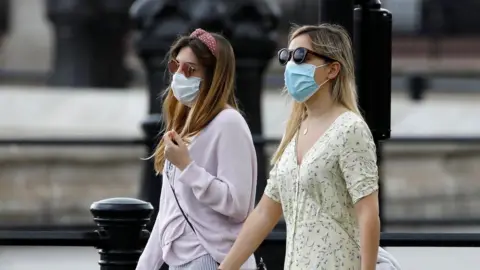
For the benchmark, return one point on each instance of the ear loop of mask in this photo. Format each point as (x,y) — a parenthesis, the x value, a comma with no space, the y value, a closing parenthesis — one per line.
(320,85)
(318,89)
(321,66)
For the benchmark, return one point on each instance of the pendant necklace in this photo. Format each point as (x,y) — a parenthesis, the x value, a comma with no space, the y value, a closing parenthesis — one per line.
(305,131)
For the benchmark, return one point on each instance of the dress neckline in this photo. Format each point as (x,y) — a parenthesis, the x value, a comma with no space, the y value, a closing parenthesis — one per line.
(314,145)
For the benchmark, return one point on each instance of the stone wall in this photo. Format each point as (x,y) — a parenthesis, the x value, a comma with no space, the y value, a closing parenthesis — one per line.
(432,181)
(56,185)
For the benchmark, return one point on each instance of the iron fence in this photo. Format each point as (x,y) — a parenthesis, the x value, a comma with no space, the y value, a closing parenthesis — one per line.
(91,238)
(111,243)
(118,142)
(121,235)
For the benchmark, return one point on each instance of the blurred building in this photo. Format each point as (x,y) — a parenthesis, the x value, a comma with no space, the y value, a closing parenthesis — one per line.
(423,179)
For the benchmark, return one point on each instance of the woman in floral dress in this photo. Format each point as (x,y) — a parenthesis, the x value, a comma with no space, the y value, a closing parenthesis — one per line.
(325,178)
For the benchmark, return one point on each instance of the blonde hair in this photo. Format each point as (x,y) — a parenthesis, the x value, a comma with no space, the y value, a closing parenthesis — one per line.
(216,93)
(333,42)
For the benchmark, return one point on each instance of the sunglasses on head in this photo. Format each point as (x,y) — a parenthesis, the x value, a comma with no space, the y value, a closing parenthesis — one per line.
(186,68)
(299,55)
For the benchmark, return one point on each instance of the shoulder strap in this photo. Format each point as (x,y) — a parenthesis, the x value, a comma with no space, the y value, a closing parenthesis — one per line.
(181,209)
(261,265)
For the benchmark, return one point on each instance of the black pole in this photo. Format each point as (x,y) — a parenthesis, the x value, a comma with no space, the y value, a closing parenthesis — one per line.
(4,20)
(89,43)
(373,57)
(370,91)
(338,12)
(122,231)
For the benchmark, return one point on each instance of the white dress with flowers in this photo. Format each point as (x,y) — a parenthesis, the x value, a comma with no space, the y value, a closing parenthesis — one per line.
(318,196)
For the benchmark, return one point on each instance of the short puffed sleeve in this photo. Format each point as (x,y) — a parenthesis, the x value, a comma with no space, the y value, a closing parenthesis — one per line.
(358,161)
(272,190)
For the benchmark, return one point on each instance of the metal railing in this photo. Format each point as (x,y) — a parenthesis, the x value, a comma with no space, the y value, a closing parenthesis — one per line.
(90,238)
(105,141)
(121,224)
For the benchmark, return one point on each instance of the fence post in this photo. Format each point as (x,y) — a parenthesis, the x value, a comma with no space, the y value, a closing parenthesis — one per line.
(373,64)
(122,230)
(89,42)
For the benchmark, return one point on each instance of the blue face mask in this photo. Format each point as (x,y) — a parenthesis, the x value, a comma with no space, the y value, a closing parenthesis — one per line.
(300,80)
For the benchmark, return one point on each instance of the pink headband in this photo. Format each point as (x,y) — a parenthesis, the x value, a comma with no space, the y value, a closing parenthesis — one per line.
(207,39)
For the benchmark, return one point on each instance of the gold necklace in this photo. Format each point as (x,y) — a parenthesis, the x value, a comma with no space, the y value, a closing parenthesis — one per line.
(305,131)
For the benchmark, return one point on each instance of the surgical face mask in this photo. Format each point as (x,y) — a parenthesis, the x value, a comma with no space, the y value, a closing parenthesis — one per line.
(300,80)
(185,89)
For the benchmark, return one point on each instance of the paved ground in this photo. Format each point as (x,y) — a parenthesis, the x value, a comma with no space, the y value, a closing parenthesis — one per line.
(51,258)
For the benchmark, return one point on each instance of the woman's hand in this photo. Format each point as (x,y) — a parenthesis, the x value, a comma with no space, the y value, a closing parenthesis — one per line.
(176,151)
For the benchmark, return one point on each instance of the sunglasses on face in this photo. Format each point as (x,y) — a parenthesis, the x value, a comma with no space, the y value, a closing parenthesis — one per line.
(299,55)
(186,68)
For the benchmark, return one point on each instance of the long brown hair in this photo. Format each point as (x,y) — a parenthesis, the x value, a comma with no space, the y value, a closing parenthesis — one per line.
(216,92)
(334,42)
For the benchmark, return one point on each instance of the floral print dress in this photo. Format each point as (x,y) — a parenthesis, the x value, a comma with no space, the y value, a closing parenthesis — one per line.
(318,196)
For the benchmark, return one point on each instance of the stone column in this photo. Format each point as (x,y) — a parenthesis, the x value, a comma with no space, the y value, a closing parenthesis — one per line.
(89,42)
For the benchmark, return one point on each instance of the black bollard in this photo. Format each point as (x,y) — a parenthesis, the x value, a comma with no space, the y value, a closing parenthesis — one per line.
(122,231)
(90,43)
(417,86)
(373,63)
